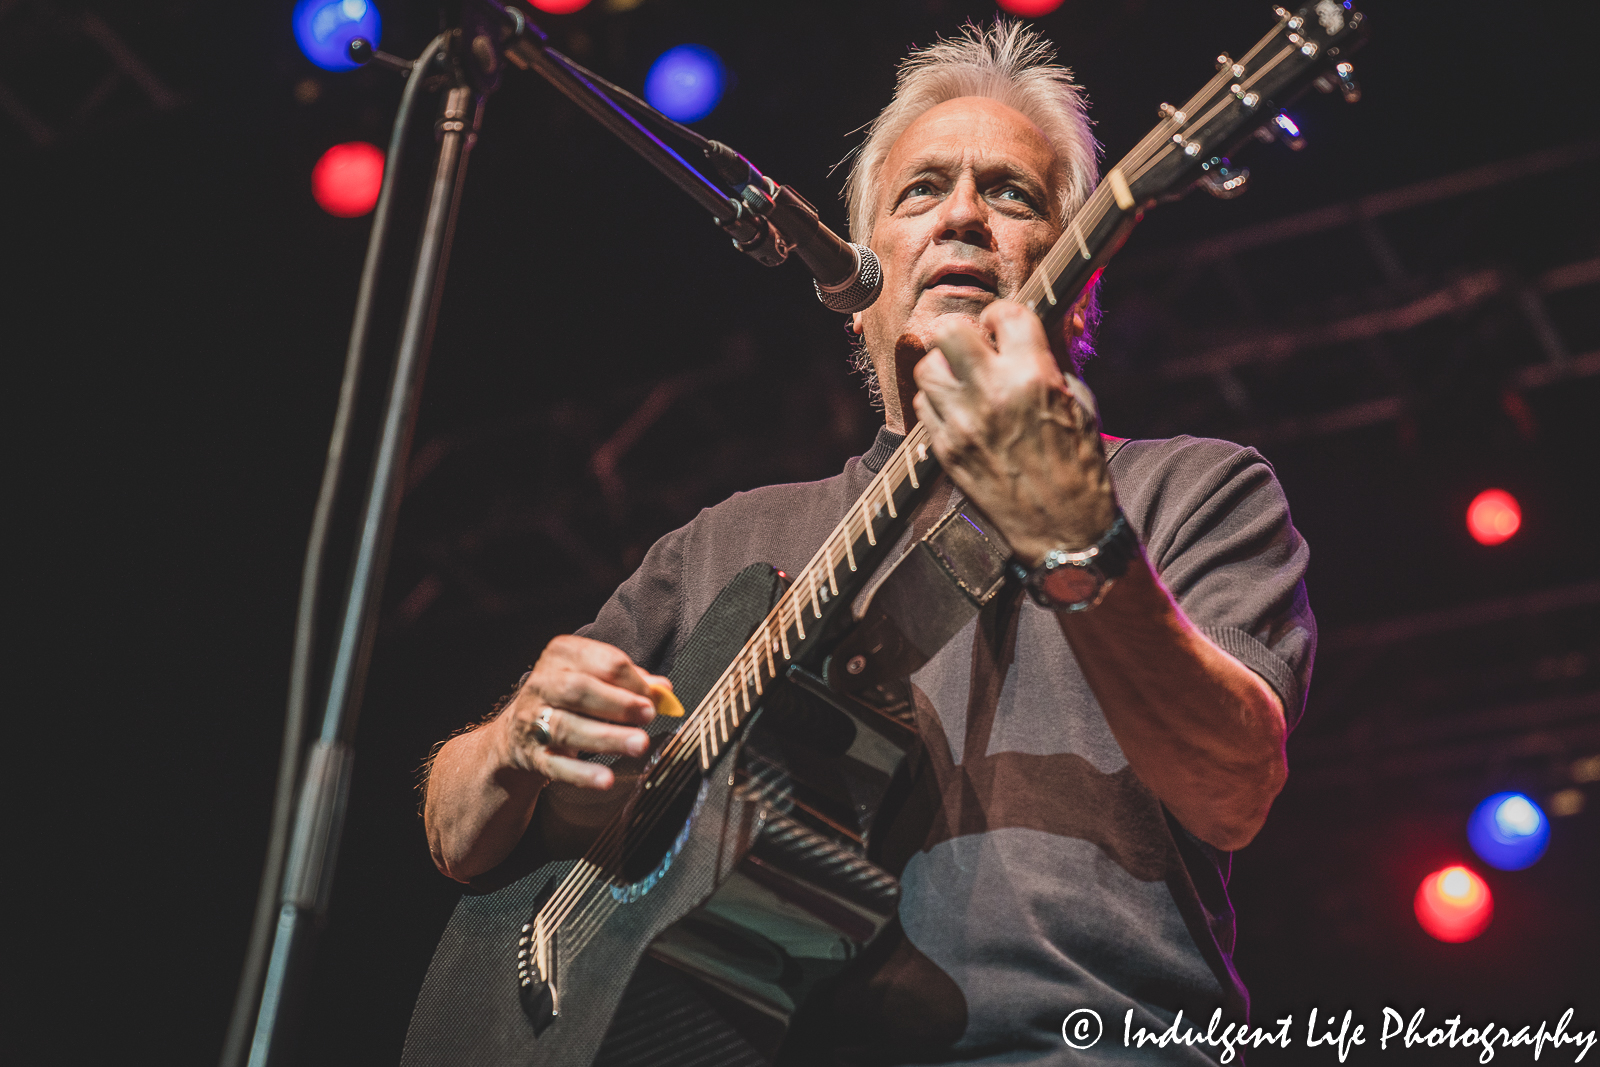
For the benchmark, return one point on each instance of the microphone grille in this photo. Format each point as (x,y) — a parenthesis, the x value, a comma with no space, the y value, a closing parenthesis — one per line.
(859,293)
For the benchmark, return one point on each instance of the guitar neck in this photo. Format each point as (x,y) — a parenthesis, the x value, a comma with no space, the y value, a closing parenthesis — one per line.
(825,586)
(1179,149)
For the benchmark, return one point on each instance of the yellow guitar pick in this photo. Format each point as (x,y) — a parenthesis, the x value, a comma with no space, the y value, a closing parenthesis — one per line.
(666,703)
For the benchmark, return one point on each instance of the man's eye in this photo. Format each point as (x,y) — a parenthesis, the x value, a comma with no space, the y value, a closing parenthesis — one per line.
(919,189)
(1017,195)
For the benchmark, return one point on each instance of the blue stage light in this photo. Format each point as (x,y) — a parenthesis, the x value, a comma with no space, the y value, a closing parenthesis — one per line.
(325,28)
(685,83)
(1508,831)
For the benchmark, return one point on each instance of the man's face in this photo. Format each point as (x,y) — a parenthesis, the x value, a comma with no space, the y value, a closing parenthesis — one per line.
(967,207)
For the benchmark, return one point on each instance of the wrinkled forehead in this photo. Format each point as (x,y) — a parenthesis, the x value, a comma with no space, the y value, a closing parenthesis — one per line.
(973,131)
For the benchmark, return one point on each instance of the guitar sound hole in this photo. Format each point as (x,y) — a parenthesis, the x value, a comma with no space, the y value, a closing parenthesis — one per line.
(654,840)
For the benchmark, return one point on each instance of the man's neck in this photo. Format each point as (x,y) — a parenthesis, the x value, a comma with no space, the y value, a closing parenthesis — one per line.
(898,414)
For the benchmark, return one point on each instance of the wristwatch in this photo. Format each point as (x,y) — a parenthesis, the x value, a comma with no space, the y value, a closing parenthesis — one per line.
(1077,581)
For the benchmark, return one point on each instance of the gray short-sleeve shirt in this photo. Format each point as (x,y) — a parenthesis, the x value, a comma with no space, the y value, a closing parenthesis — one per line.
(1038,874)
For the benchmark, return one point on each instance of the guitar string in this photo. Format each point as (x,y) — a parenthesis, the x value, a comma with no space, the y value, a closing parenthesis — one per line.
(700,724)
(1138,162)
(1134,160)
(1244,84)
(762,641)
(665,789)
(704,720)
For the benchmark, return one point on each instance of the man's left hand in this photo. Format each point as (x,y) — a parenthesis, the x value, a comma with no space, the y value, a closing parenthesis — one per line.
(1007,428)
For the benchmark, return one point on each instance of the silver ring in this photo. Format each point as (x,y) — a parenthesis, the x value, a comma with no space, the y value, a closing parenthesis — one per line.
(541,728)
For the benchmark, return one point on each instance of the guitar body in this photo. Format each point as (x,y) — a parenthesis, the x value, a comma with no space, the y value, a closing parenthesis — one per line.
(756,892)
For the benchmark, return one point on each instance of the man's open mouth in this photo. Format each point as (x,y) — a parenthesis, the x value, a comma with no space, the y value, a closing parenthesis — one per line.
(966,281)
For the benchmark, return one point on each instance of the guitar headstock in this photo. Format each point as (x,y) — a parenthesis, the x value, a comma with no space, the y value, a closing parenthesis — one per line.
(1308,46)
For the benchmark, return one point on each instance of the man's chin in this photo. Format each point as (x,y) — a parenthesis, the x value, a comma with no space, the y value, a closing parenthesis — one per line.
(935,305)
(930,316)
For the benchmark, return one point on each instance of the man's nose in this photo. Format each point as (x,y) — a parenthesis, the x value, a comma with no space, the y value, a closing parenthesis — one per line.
(965,216)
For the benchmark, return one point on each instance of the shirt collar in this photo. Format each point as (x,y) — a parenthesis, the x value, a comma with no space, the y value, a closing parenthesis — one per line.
(882,449)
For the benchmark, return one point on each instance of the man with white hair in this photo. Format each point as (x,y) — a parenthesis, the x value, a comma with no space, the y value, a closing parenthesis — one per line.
(1063,842)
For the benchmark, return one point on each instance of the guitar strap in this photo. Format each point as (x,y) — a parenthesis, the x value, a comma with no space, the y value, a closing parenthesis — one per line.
(923,601)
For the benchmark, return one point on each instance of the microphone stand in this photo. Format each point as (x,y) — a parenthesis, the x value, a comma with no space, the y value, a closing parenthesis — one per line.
(314,780)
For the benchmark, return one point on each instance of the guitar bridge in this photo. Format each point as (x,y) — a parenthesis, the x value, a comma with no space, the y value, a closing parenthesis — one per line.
(536,986)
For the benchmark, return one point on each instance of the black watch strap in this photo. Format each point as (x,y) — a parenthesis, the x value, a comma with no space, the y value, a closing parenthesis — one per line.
(1100,564)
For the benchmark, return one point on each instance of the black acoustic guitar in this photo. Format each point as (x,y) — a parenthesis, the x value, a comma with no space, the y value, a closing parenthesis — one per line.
(730,872)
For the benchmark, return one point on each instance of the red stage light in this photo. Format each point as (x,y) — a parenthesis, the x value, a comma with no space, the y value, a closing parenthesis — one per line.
(559,7)
(1493,516)
(346,180)
(1454,905)
(1029,9)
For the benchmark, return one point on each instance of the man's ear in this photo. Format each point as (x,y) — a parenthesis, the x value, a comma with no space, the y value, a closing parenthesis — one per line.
(855,324)
(1068,330)
(1077,318)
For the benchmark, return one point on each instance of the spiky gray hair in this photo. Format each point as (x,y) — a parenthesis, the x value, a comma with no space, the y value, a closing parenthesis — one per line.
(1006,61)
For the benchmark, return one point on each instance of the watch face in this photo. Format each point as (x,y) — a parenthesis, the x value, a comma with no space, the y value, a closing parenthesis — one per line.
(1072,585)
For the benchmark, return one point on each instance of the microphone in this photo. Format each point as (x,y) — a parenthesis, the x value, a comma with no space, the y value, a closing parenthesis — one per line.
(847,276)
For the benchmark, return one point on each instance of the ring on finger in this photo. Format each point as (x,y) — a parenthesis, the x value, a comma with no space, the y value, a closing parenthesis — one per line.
(541,727)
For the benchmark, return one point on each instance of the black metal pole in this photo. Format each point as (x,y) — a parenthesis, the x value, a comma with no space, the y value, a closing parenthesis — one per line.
(253,976)
(319,816)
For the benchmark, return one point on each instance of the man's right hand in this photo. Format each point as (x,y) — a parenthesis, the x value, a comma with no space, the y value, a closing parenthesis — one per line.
(581,689)
(483,784)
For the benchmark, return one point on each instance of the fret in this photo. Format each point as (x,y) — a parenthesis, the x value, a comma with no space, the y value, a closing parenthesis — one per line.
(1083,246)
(720,713)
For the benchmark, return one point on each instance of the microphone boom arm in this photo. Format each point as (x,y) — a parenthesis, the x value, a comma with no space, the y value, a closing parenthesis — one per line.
(766,220)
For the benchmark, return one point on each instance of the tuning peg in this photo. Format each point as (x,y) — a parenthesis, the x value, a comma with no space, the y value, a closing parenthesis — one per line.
(1347,82)
(1221,180)
(1282,128)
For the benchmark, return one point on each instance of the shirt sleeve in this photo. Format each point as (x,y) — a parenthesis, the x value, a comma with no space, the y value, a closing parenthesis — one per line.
(643,617)
(1216,528)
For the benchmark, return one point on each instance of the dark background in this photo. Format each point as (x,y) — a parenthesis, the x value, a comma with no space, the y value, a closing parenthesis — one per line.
(175,309)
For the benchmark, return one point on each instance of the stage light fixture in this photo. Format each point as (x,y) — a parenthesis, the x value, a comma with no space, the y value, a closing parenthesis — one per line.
(1029,9)
(685,83)
(559,7)
(347,179)
(1509,831)
(325,28)
(1493,517)
(1454,905)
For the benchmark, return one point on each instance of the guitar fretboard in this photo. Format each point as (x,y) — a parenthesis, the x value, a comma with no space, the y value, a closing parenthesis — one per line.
(1089,237)
(838,570)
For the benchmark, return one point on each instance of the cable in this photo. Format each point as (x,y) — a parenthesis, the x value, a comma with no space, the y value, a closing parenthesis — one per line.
(245,1005)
